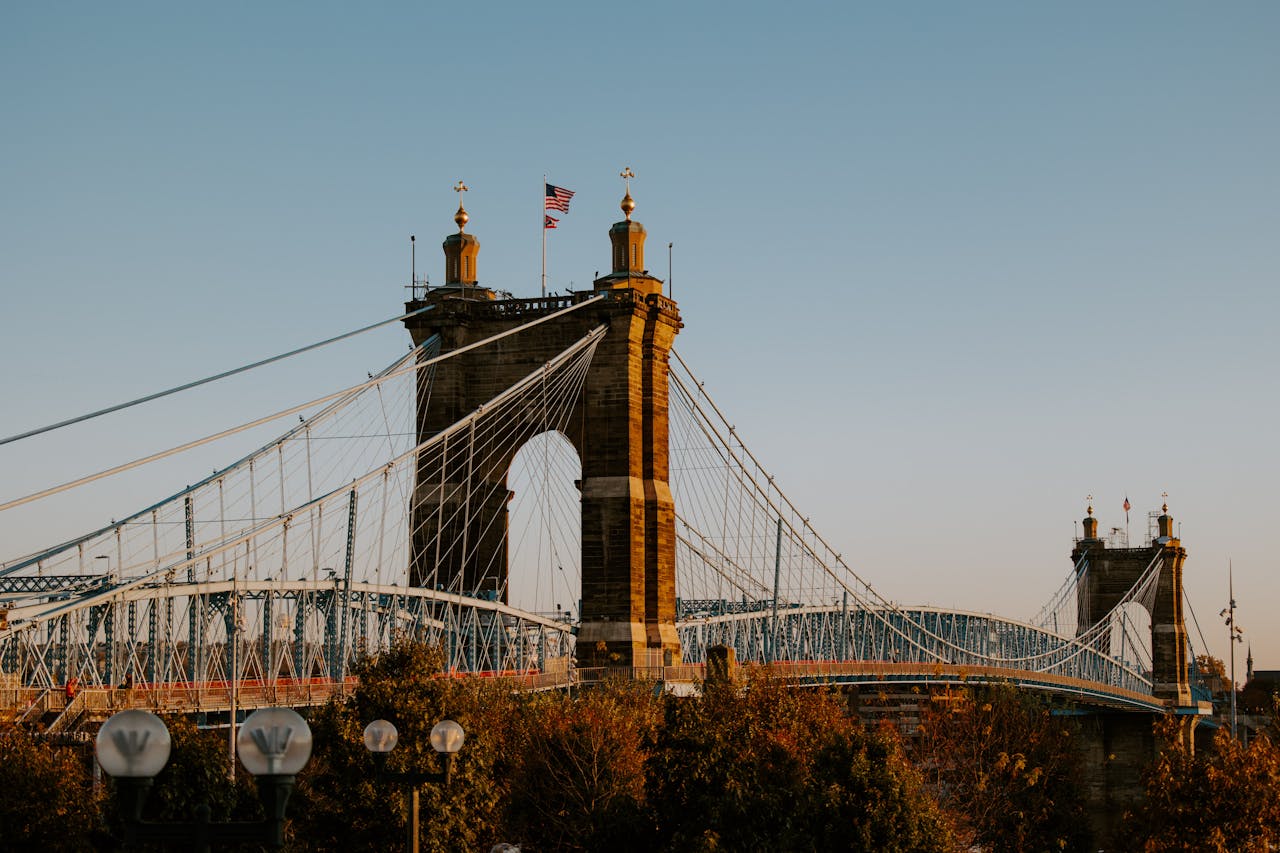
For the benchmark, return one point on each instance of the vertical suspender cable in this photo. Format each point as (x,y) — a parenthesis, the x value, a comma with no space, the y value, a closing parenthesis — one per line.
(777,571)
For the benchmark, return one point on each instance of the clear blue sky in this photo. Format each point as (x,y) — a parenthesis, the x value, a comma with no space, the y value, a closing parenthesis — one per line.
(950,267)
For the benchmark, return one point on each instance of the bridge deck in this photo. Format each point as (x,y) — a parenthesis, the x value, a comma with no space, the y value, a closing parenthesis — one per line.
(92,705)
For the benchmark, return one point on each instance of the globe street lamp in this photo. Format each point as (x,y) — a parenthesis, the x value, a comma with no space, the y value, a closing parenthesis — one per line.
(273,744)
(380,737)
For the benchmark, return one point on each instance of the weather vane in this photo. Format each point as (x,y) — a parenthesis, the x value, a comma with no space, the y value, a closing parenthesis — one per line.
(628,204)
(461,216)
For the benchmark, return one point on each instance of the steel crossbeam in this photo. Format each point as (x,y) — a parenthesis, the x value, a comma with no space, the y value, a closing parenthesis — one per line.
(29,584)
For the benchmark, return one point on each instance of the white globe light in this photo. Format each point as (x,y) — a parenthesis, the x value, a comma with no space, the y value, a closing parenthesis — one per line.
(133,744)
(380,736)
(447,736)
(274,742)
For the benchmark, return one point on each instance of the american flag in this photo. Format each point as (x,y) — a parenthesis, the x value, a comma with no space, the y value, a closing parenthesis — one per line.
(549,221)
(558,198)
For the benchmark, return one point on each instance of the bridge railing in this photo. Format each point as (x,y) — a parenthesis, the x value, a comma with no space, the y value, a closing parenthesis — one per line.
(18,704)
(98,702)
(678,672)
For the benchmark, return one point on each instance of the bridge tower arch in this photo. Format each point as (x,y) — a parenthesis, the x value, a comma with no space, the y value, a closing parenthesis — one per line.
(1106,573)
(545,536)
(618,427)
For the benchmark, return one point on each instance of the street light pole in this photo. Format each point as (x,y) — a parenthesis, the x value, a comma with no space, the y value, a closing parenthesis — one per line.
(380,738)
(235,667)
(1235,634)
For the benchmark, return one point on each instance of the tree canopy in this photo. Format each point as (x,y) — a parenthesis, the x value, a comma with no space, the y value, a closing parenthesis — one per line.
(747,764)
(1220,800)
(1006,768)
(47,799)
(618,766)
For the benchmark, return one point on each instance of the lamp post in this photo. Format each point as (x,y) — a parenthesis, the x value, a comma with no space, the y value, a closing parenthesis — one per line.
(1235,634)
(380,738)
(274,745)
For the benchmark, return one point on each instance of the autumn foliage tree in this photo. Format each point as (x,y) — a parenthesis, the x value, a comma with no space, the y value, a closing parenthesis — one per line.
(1005,768)
(768,767)
(1212,673)
(1220,800)
(617,766)
(196,773)
(578,780)
(47,800)
(341,805)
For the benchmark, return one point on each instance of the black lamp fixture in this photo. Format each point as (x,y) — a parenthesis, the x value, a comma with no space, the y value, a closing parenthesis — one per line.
(274,744)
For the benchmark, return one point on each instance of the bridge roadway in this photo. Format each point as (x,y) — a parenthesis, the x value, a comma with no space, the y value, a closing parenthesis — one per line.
(91,706)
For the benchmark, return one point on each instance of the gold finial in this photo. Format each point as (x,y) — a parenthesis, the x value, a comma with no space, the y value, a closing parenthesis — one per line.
(461,216)
(1165,508)
(1090,508)
(628,203)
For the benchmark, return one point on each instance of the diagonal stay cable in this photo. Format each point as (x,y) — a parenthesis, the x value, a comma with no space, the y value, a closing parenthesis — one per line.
(334,407)
(865,600)
(206,380)
(283,413)
(283,520)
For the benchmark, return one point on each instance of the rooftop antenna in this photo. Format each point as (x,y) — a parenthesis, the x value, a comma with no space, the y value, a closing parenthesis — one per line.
(413,261)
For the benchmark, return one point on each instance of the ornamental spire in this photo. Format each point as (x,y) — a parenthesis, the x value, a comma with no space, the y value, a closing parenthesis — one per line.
(461,216)
(628,203)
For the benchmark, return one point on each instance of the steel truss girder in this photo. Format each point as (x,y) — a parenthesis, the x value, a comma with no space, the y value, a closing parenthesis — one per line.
(924,636)
(140,635)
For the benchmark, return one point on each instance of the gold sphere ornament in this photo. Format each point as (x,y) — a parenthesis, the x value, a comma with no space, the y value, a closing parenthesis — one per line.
(461,216)
(628,203)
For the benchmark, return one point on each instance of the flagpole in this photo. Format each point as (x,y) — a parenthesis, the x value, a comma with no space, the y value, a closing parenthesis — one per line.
(544,235)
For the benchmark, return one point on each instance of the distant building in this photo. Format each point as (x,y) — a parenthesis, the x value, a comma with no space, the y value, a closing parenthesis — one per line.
(1261,692)
(1259,699)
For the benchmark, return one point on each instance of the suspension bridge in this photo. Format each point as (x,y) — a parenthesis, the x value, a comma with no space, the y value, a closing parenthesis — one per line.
(544,489)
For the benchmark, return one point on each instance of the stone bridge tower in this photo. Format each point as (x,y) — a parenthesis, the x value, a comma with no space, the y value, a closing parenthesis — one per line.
(618,426)
(1105,574)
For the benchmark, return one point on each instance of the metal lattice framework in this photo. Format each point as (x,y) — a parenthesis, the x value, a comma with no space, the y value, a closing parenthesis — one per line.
(303,630)
(289,563)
